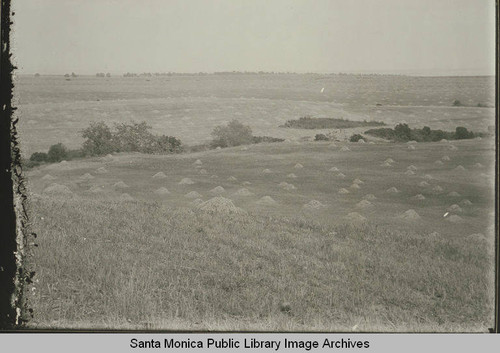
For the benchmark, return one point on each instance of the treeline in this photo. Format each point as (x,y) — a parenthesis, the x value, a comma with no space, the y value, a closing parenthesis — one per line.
(403,133)
(100,140)
(308,122)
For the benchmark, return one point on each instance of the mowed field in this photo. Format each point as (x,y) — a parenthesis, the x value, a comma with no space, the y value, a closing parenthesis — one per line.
(287,236)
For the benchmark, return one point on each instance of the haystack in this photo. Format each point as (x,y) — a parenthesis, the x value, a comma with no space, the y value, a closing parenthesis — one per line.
(409,172)
(159,175)
(418,197)
(120,185)
(220,205)
(423,184)
(370,197)
(186,181)
(364,204)
(291,175)
(354,217)
(298,166)
(454,219)
(162,191)
(361,141)
(86,177)
(444,140)
(101,170)
(244,148)
(389,160)
(286,186)
(193,195)
(266,200)
(438,162)
(455,209)
(459,168)
(454,194)
(428,177)
(478,165)
(445,158)
(355,187)
(48,177)
(386,164)
(214,176)
(333,169)
(57,189)
(267,171)
(343,191)
(126,197)
(452,147)
(314,205)
(412,168)
(410,215)
(412,142)
(203,172)
(232,178)
(197,202)
(411,148)
(243,192)
(96,189)
(392,190)
(358,181)
(434,234)
(246,183)
(198,162)
(466,202)
(217,190)
(341,175)
(437,188)
(345,149)
(107,158)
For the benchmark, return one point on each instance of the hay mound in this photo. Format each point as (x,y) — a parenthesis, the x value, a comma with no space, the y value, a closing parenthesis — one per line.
(410,215)
(434,234)
(438,162)
(412,168)
(232,178)
(454,219)
(48,177)
(370,197)
(220,205)
(358,181)
(101,170)
(466,202)
(341,175)
(214,176)
(244,148)
(96,189)
(333,169)
(354,217)
(298,166)
(266,200)
(267,171)
(389,160)
(107,158)
(411,147)
(345,149)
(423,184)
(444,140)
(355,187)
(361,141)
(243,192)
(193,195)
(186,181)
(478,165)
(452,148)
(418,197)
(437,188)
(454,209)
(286,186)
(291,175)
(120,185)
(203,172)
(198,162)
(246,183)
(428,177)
(445,158)
(385,164)
(162,191)
(197,202)
(409,172)
(454,194)
(392,190)
(217,190)
(343,191)
(314,205)
(159,175)
(459,169)
(412,142)
(364,204)
(126,197)
(57,189)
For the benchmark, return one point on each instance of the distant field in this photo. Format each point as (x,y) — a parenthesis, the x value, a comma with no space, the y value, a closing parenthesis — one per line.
(231,271)
(54,110)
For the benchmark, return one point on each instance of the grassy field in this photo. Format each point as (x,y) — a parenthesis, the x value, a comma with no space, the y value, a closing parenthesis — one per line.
(307,235)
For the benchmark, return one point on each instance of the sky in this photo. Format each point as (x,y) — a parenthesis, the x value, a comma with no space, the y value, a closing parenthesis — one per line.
(424,37)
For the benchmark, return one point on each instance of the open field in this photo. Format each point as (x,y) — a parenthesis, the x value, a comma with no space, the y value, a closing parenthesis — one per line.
(316,236)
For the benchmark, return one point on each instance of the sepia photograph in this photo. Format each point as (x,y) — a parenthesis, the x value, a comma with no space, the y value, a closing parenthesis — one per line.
(251,165)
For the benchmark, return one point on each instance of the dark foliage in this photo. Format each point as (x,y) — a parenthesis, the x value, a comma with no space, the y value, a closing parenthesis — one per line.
(308,122)
(321,137)
(356,138)
(57,153)
(39,157)
(402,133)
(233,134)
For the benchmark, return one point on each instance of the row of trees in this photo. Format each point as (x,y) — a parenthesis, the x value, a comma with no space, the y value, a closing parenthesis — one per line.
(403,133)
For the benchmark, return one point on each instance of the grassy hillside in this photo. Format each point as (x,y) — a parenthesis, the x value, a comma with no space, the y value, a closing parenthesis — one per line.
(157,261)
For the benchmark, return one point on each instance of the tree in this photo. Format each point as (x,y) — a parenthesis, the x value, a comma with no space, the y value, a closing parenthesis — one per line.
(134,137)
(98,139)
(426,130)
(233,134)
(462,133)
(39,157)
(57,153)
(402,132)
(457,103)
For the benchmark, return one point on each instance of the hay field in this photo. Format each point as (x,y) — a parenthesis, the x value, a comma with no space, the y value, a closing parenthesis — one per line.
(316,236)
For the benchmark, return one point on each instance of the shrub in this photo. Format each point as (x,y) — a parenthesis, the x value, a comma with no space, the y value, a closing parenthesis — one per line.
(356,138)
(462,133)
(259,139)
(321,137)
(134,137)
(233,134)
(99,140)
(57,153)
(308,122)
(167,144)
(402,132)
(39,157)
(457,103)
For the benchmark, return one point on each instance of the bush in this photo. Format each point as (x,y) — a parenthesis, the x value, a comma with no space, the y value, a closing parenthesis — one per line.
(57,153)
(461,133)
(356,138)
(402,132)
(233,134)
(167,144)
(308,122)
(457,103)
(39,157)
(321,137)
(260,139)
(99,140)
(135,137)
